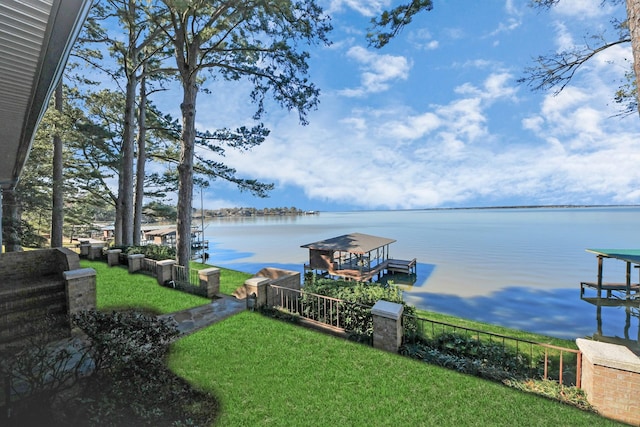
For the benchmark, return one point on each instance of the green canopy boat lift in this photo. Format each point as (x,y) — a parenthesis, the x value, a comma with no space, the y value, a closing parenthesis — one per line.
(615,292)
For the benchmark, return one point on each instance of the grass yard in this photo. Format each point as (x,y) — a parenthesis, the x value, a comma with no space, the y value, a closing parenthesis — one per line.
(117,289)
(272,373)
(269,372)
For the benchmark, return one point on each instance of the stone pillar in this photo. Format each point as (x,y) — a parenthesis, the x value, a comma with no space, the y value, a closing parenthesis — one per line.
(257,286)
(164,271)
(210,280)
(611,380)
(135,262)
(387,325)
(95,252)
(113,257)
(80,286)
(84,249)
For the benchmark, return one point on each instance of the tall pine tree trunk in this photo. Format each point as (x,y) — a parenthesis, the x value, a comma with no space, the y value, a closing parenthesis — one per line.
(142,158)
(633,20)
(185,169)
(126,170)
(57,211)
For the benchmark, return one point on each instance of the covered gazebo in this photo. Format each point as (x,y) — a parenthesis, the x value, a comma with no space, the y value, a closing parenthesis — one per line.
(354,256)
(629,289)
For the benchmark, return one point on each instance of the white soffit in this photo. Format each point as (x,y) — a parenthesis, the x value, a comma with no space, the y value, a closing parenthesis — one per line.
(35,39)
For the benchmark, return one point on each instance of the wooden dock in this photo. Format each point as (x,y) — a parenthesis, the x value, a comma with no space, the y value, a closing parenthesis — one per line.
(401,266)
(629,291)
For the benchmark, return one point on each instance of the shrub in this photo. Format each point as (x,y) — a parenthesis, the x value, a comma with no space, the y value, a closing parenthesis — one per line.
(155,252)
(355,312)
(468,355)
(126,382)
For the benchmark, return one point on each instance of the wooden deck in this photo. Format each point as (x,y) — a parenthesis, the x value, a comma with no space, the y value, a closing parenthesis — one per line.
(391,266)
(631,291)
(401,266)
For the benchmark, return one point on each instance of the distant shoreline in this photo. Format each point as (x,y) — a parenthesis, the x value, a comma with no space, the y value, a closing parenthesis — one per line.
(535,207)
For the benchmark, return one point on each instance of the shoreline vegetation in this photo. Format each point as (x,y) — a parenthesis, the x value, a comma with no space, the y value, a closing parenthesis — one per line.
(293,211)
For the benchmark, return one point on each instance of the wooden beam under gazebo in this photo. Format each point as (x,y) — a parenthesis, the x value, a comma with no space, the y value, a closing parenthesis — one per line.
(355,256)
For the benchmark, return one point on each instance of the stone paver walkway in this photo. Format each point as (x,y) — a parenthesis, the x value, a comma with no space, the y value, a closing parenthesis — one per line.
(196,318)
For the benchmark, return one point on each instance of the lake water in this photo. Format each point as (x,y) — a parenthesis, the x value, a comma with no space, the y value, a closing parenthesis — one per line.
(519,268)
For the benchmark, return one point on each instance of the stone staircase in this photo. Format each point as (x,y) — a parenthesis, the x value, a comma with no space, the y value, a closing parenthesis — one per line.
(39,307)
(38,289)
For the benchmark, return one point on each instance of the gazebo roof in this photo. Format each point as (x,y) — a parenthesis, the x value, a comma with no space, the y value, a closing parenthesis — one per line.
(355,243)
(627,255)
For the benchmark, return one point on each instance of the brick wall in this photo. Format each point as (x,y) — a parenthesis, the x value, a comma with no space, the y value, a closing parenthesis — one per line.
(611,380)
(17,266)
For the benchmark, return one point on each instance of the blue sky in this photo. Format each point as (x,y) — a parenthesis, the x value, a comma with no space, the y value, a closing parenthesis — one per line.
(437,119)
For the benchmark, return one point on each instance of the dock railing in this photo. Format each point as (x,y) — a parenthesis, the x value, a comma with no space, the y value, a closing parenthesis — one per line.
(523,358)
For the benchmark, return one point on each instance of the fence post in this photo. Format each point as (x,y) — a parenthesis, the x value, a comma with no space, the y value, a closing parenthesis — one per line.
(84,249)
(135,262)
(164,271)
(611,380)
(113,257)
(80,286)
(387,325)
(257,286)
(95,251)
(210,280)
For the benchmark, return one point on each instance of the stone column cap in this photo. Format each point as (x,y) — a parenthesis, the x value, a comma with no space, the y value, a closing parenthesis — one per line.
(208,271)
(257,281)
(388,309)
(610,355)
(135,256)
(78,273)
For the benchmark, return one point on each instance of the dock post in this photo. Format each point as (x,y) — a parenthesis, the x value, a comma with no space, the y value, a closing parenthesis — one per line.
(599,275)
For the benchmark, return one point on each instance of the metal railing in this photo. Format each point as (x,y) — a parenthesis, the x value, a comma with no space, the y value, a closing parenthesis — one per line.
(149,267)
(320,309)
(185,276)
(543,361)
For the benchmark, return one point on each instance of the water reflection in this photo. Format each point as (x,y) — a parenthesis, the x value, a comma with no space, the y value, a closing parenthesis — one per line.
(609,316)
(553,312)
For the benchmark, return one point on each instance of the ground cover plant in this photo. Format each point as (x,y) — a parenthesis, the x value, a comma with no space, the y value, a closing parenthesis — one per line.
(275,373)
(117,376)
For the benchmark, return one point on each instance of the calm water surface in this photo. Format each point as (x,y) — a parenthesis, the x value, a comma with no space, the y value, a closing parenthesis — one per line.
(514,267)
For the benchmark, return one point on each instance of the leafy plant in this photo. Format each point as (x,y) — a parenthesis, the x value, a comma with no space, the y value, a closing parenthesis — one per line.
(354,313)
(155,252)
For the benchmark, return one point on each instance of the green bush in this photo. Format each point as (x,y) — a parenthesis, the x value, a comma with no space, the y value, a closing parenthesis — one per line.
(355,313)
(118,377)
(468,355)
(155,252)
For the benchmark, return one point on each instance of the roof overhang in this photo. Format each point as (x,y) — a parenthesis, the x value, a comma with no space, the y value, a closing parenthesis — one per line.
(36,37)
(627,255)
(355,243)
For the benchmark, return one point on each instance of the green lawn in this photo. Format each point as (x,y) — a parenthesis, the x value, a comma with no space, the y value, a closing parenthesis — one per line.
(267,372)
(117,289)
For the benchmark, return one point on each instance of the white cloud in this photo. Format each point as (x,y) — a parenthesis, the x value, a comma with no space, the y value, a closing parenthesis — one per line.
(582,9)
(367,8)
(378,71)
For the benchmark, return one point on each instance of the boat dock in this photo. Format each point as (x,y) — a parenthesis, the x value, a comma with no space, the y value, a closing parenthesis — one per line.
(359,257)
(626,290)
